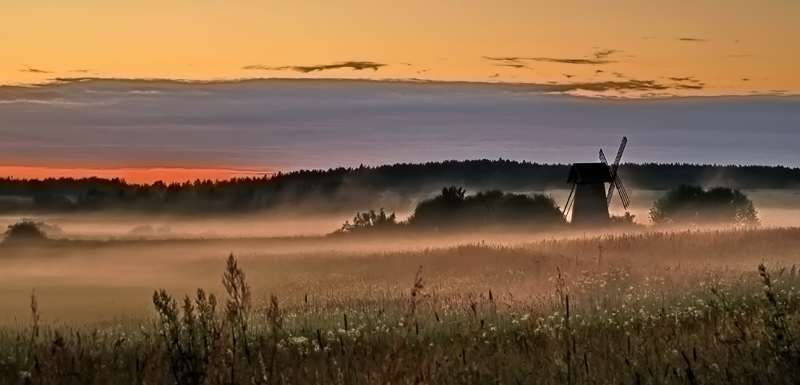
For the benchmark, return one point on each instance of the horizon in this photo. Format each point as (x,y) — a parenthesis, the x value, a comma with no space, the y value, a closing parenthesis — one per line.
(176,175)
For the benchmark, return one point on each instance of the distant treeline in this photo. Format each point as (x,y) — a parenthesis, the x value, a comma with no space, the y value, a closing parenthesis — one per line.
(396,187)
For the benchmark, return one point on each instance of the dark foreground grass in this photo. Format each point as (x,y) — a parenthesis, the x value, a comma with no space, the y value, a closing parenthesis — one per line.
(600,327)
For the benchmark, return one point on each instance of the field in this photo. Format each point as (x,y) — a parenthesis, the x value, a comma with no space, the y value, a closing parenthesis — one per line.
(682,306)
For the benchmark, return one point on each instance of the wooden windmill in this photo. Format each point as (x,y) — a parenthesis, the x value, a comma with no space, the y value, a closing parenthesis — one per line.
(589,200)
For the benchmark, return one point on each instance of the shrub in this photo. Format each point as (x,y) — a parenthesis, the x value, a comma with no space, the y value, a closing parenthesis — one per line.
(201,340)
(25,231)
(625,220)
(453,208)
(694,205)
(370,221)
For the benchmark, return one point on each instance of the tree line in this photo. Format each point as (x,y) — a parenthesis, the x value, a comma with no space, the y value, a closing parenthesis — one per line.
(453,209)
(396,187)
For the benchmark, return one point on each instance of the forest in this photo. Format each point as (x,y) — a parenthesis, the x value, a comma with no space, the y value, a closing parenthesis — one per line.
(395,187)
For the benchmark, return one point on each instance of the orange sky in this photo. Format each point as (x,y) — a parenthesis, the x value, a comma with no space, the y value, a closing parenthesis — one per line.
(131,175)
(724,46)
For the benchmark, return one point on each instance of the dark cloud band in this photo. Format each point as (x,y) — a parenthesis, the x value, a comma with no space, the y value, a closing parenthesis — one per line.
(356,65)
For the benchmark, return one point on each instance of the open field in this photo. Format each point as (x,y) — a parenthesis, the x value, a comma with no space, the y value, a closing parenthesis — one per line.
(649,307)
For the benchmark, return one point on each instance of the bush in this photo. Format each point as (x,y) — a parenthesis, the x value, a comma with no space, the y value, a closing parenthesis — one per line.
(50,231)
(25,231)
(453,208)
(625,220)
(693,205)
(370,221)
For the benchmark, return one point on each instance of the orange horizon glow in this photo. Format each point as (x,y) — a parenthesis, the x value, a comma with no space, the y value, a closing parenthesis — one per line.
(130,175)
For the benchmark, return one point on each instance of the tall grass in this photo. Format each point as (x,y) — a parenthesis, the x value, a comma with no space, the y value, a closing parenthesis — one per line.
(604,319)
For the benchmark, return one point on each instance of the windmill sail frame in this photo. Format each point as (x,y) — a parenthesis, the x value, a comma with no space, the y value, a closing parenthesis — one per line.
(588,201)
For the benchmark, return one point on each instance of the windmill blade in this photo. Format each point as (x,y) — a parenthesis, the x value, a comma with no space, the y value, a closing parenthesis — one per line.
(611,185)
(619,156)
(570,201)
(623,195)
(610,192)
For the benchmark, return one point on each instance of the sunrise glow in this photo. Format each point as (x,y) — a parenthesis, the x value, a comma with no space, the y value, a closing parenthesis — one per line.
(130,175)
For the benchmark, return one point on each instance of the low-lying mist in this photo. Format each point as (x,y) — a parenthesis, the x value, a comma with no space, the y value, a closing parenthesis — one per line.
(88,280)
(775,208)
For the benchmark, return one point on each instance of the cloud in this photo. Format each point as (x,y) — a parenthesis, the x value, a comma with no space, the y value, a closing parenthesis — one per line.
(35,70)
(310,123)
(56,102)
(693,39)
(686,79)
(688,86)
(550,59)
(504,58)
(105,85)
(602,54)
(356,65)
(571,61)
(512,65)
(619,86)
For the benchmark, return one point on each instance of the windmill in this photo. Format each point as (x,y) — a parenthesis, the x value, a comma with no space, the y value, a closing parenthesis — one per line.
(588,201)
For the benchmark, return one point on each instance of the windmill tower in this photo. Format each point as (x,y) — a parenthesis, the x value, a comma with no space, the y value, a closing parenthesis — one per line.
(588,201)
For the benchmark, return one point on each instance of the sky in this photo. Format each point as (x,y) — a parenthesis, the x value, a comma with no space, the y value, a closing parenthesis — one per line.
(172,90)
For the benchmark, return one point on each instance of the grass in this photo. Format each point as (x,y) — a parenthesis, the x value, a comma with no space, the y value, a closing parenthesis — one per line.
(688,307)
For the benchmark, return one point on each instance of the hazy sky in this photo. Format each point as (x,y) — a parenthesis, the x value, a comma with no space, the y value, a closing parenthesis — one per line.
(268,125)
(552,65)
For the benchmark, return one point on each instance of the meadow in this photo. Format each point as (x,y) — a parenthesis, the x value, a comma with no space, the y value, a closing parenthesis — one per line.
(680,306)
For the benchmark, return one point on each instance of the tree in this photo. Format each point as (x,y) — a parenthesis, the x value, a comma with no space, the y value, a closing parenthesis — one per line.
(693,205)
(440,210)
(370,221)
(453,208)
(626,220)
(25,231)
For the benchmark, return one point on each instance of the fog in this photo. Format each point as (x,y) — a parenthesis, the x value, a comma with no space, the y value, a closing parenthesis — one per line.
(107,281)
(105,271)
(775,208)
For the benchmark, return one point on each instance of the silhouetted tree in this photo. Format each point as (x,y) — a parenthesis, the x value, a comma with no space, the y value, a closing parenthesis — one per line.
(625,220)
(338,189)
(25,232)
(454,209)
(694,205)
(371,221)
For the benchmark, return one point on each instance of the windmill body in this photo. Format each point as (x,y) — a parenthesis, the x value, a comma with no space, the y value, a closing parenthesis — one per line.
(588,201)
(589,190)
